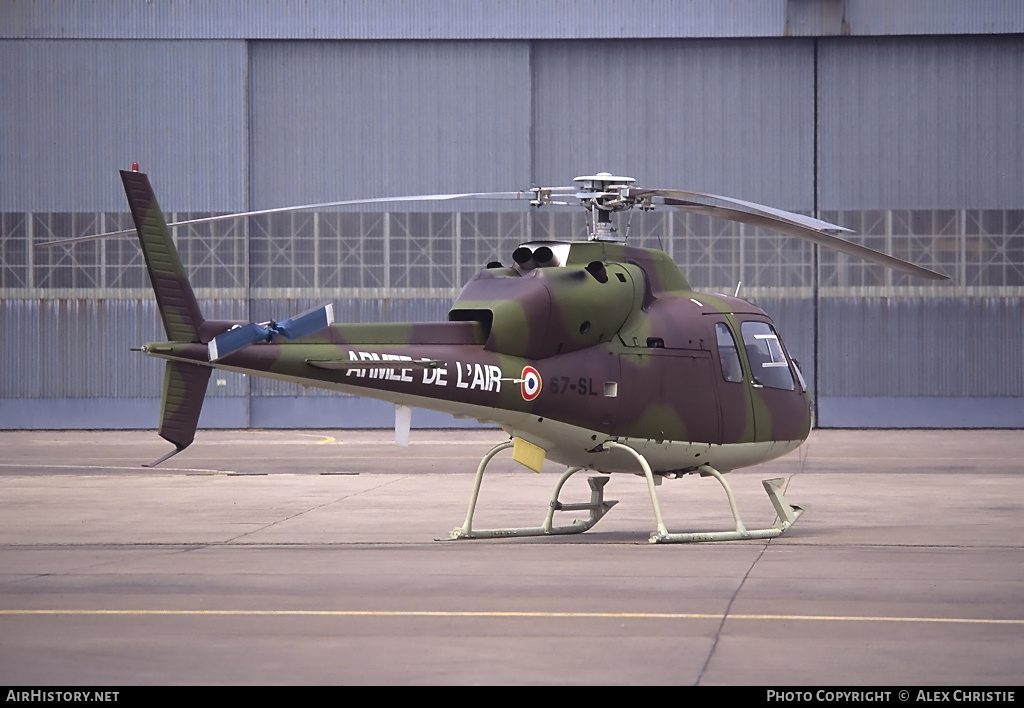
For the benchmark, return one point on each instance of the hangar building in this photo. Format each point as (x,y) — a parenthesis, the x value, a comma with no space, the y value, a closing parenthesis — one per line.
(903,121)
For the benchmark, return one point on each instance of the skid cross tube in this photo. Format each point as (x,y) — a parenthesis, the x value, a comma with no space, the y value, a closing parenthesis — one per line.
(597,506)
(787,513)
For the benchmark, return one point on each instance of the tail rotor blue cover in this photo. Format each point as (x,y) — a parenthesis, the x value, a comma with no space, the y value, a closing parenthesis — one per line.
(297,327)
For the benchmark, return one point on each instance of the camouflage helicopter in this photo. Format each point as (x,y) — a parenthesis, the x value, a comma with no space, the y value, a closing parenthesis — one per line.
(594,354)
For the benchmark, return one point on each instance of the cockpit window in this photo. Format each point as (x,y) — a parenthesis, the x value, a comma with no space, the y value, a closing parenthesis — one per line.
(731,369)
(768,363)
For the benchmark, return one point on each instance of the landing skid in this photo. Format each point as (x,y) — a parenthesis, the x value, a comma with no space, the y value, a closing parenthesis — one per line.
(787,513)
(598,507)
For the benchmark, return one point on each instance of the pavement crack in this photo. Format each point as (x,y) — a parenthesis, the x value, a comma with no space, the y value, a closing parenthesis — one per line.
(725,615)
(391,480)
(739,587)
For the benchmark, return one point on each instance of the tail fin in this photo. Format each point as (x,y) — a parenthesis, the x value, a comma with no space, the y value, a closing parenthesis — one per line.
(184,383)
(174,297)
(184,391)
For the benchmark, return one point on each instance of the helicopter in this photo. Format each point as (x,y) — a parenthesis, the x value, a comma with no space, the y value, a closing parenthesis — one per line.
(594,354)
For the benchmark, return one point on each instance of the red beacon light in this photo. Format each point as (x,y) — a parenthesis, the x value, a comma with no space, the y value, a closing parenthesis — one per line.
(135,167)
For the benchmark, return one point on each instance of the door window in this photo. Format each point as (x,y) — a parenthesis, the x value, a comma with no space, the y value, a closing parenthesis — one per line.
(727,353)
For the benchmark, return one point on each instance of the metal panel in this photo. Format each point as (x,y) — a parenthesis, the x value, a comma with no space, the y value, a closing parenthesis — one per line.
(921,347)
(395,19)
(347,120)
(81,348)
(920,412)
(734,118)
(921,123)
(885,17)
(119,413)
(76,349)
(74,112)
(494,19)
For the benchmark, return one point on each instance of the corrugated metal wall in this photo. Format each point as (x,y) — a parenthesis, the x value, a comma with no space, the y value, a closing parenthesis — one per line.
(921,123)
(918,148)
(340,120)
(399,19)
(722,115)
(496,19)
(74,112)
(953,345)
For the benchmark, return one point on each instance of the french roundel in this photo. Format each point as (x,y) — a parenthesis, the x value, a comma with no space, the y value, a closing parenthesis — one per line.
(531,383)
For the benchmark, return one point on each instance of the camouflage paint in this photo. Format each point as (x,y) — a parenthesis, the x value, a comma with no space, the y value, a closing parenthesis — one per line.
(174,297)
(182,401)
(624,349)
(184,384)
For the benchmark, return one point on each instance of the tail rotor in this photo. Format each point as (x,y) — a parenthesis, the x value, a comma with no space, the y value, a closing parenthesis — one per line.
(239,337)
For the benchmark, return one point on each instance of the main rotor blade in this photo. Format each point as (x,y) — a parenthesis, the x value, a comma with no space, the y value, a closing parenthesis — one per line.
(798,225)
(500,196)
(687,198)
(86,239)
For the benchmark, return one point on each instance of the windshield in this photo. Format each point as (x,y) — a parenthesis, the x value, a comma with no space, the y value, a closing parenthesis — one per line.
(768,363)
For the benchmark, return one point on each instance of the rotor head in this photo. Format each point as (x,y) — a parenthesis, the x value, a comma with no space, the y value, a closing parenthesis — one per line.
(602,195)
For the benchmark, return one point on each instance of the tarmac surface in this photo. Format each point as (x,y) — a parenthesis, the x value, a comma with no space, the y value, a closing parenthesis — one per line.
(300,557)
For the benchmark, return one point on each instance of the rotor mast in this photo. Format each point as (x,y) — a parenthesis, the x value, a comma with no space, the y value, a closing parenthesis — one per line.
(602,195)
